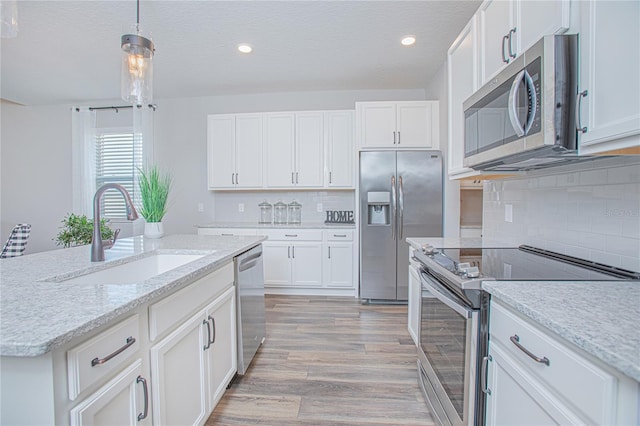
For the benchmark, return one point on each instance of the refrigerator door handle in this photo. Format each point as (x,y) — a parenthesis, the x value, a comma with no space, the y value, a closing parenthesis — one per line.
(393,207)
(401,206)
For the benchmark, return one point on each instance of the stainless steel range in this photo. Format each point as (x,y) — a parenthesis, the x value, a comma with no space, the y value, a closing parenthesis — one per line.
(455,311)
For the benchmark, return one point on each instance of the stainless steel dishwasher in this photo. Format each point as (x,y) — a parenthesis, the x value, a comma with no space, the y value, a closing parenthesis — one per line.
(249,274)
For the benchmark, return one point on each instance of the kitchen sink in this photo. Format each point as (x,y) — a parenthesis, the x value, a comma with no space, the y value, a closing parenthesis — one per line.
(135,271)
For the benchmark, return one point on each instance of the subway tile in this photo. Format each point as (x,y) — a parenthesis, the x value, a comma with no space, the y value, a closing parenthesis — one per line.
(605,257)
(593,177)
(625,174)
(631,263)
(622,246)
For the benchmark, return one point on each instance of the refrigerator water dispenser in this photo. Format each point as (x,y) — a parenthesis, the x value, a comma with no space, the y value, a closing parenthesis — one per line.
(378,204)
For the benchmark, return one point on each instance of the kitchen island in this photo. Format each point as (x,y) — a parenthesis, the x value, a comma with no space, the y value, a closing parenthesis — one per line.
(50,322)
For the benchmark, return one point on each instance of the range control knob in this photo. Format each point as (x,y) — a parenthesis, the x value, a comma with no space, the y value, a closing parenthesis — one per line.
(428,249)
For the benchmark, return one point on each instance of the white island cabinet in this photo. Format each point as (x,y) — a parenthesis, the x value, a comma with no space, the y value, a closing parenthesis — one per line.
(532,377)
(161,351)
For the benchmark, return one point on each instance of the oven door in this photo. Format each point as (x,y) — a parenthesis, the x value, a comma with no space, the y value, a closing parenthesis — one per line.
(448,353)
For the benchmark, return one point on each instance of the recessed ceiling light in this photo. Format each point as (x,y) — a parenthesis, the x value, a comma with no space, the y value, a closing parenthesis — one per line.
(245,48)
(408,40)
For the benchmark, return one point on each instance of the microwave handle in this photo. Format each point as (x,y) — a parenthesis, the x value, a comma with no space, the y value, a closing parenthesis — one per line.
(533,101)
(513,95)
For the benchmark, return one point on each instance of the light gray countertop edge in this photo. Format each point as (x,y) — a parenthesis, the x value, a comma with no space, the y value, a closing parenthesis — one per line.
(38,316)
(601,318)
(253,225)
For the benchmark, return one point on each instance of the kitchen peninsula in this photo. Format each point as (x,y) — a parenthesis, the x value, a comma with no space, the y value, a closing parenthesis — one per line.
(79,349)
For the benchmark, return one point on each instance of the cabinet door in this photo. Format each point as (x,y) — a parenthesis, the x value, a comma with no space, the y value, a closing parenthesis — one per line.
(309,149)
(221,355)
(177,365)
(462,73)
(377,124)
(539,18)
(338,264)
(279,145)
(221,151)
(277,263)
(609,70)
(518,399)
(415,126)
(307,264)
(340,149)
(118,402)
(413,304)
(248,150)
(496,18)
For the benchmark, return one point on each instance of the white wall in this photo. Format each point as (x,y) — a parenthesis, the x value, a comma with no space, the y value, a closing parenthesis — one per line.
(35,182)
(437,90)
(589,210)
(35,143)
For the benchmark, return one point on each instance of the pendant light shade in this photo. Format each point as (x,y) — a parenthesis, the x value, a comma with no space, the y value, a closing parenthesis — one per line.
(137,66)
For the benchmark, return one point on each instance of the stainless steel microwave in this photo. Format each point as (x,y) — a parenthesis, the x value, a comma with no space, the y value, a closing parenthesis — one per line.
(524,117)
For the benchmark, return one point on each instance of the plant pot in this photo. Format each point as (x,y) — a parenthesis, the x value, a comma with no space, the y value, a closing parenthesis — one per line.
(154,230)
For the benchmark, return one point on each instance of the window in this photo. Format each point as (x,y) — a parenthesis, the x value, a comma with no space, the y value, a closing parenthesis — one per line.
(118,157)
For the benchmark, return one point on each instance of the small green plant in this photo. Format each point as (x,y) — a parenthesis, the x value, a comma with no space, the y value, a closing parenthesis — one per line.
(154,191)
(77,230)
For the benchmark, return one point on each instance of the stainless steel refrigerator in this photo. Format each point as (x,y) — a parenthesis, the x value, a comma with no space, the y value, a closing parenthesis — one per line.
(400,197)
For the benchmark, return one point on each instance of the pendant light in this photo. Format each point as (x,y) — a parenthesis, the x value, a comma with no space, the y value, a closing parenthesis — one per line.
(8,18)
(137,65)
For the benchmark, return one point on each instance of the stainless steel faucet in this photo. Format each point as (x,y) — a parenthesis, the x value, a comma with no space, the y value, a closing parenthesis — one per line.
(97,246)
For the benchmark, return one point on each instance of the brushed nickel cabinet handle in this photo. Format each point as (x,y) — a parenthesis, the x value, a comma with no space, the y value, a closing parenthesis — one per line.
(512,31)
(98,361)
(504,57)
(329,252)
(289,252)
(340,235)
(483,374)
(208,345)
(293,252)
(398,137)
(578,120)
(145,389)
(291,235)
(330,177)
(213,327)
(515,339)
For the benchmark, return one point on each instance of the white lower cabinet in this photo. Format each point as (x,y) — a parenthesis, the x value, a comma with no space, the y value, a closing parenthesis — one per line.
(309,261)
(292,264)
(122,401)
(534,378)
(199,356)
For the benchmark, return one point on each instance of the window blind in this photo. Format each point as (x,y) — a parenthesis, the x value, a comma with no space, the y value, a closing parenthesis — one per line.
(118,157)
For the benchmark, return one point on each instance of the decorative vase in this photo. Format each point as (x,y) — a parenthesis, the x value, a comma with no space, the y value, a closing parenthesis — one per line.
(154,230)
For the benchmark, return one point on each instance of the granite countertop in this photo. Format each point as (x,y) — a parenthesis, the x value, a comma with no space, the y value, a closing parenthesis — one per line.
(38,314)
(601,318)
(305,225)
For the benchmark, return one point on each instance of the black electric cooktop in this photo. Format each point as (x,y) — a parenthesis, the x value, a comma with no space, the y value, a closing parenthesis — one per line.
(531,264)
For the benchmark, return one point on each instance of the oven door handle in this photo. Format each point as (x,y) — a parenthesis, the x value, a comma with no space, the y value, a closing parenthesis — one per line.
(443,295)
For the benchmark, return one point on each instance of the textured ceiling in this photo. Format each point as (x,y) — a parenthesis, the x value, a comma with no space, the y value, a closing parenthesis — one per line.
(69,51)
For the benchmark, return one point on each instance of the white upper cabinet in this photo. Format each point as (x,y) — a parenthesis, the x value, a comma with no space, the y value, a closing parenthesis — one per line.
(508,27)
(234,151)
(339,136)
(462,66)
(294,145)
(609,111)
(407,124)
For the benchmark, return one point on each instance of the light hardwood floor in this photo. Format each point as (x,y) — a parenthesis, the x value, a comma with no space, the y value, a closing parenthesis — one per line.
(329,361)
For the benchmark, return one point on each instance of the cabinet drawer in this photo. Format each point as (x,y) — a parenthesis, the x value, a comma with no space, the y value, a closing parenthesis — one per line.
(102,356)
(167,313)
(569,375)
(294,234)
(227,231)
(339,235)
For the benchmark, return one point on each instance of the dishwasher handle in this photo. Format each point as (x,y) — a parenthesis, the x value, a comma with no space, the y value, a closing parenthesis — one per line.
(249,262)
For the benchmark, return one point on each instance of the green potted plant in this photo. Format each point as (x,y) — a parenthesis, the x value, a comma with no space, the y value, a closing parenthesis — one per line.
(77,230)
(154,192)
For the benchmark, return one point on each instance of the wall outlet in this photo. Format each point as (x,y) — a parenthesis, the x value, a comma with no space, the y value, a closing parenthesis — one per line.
(319,207)
(508,213)
(241,207)
(200,207)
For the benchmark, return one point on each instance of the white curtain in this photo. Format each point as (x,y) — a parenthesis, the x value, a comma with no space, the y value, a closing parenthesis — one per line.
(83,122)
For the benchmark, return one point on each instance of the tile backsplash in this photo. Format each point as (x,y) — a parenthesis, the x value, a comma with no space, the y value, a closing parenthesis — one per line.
(589,210)
(226,203)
